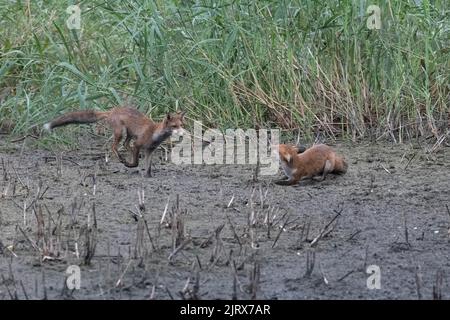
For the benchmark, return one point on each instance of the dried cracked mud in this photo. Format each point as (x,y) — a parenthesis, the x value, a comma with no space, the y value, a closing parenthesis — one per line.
(227,235)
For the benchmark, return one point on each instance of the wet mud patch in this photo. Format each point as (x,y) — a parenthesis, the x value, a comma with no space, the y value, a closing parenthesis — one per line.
(212,232)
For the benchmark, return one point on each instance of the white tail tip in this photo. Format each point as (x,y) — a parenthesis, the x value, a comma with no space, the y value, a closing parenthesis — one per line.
(47,126)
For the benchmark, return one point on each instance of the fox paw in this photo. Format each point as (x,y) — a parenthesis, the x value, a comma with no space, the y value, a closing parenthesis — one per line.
(284,182)
(129,165)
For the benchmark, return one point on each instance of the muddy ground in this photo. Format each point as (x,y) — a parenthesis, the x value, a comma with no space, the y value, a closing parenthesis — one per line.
(311,241)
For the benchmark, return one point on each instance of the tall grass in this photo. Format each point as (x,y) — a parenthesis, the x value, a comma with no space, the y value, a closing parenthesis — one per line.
(307,65)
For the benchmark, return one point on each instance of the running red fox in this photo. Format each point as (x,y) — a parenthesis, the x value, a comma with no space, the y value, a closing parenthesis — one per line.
(298,163)
(147,134)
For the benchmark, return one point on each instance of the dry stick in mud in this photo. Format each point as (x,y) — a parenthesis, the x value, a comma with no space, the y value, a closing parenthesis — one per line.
(119,281)
(166,208)
(40,239)
(23,290)
(20,180)
(235,235)
(305,230)
(236,282)
(409,161)
(322,272)
(39,250)
(218,246)
(148,233)
(353,235)
(76,209)
(163,218)
(90,242)
(419,282)
(251,223)
(139,242)
(48,235)
(439,141)
(347,274)
(153,292)
(59,166)
(437,287)
(256,172)
(193,294)
(179,248)
(406,230)
(234,295)
(12,280)
(177,224)
(245,260)
(310,262)
(166,287)
(255,275)
(269,220)
(168,291)
(57,159)
(57,229)
(11,296)
(213,234)
(141,214)
(5,173)
(44,288)
(199,264)
(360,269)
(6,178)
(233,229)
(282,228)
(24,137)
(323,231)
(262,197)
(231,200)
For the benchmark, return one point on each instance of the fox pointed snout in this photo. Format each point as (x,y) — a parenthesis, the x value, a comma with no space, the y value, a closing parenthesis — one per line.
(178,132)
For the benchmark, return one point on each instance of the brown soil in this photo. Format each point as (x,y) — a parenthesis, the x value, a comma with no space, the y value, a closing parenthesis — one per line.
(389,210)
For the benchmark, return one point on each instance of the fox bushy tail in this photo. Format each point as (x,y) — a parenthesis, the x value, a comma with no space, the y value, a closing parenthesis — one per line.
(86,116)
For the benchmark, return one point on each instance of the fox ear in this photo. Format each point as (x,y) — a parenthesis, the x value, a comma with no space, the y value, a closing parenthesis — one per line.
(183,113)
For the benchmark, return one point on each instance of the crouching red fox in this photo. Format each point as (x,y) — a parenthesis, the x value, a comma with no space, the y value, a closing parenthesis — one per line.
(299,163)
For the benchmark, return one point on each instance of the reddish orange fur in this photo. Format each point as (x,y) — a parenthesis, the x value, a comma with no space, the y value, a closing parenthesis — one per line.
(147,134)
(317,160)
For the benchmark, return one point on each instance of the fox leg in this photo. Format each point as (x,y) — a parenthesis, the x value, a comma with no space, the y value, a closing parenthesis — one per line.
(135,157)
(148,163)
(117,139)
(288,182)
(126,143)
(326,169)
